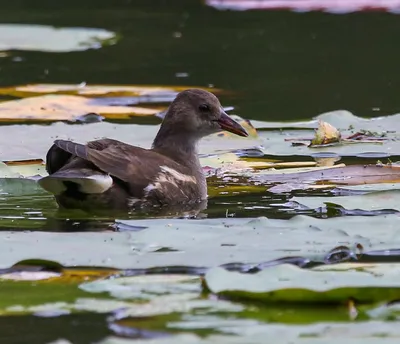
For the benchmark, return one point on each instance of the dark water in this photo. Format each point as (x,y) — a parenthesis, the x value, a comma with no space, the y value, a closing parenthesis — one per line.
(280,66)
(284,65)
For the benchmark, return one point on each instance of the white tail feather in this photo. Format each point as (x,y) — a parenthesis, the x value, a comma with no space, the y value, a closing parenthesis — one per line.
(94,184)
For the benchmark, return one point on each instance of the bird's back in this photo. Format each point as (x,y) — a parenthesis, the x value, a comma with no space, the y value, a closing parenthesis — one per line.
(111,174)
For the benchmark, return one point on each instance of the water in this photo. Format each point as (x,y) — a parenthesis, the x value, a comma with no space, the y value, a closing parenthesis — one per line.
(274,66)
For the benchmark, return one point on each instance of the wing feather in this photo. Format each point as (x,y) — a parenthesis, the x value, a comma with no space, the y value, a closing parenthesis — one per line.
(136,167)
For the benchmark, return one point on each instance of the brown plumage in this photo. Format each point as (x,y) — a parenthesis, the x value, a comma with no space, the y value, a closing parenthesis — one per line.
(109,174)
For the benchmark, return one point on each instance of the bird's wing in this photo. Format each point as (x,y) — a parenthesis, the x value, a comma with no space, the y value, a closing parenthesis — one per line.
(61,152)
(134,166)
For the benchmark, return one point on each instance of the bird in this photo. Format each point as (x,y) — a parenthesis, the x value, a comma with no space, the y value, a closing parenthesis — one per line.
(110,174)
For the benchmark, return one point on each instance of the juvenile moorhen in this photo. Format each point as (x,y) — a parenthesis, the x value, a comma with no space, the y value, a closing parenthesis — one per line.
(109,174)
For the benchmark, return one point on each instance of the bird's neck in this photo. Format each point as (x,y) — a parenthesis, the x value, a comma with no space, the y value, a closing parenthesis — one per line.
(179,146)
(182,148)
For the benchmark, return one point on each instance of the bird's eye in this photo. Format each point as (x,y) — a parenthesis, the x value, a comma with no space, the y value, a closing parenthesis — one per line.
(204,108)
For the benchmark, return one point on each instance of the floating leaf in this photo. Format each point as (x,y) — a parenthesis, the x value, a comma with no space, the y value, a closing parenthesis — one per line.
(201,243)
(389,199)
(194,243)
(37,139)
(338,175)
(145,287)
(289,187)
(53,39)
(231,162)
(341,119)
(325,134)
(146,93)
(29,275)
(22,168)
(64,108)
(250,331)
(288,283)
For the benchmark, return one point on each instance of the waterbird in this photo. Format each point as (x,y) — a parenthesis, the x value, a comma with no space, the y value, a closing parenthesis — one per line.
(110,174)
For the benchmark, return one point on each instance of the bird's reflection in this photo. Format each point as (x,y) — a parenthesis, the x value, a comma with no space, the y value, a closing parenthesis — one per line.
(80,221)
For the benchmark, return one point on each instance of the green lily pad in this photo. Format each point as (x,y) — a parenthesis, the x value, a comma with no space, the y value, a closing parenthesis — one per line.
(337,175)
(51,39)
(288,283)
(201,243)
(388,199)
(256,332)
(340,119)
(279,136)
(38,139)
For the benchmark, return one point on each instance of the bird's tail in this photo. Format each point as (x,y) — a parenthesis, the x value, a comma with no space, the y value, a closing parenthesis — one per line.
(59,182)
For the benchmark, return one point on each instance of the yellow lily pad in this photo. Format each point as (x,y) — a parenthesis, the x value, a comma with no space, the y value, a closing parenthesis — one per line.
(230,162)
(22,168)
(66,275)
(94,90)
(64,108)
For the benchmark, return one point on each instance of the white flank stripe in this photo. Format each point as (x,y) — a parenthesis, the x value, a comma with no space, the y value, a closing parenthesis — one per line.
(170,176)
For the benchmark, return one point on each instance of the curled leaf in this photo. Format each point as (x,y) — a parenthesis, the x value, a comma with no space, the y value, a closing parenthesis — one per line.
(325,134)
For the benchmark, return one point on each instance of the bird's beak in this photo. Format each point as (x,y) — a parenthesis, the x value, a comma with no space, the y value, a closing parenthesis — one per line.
(228,124)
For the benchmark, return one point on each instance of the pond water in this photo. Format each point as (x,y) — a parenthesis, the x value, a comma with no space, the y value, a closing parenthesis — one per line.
(273,68)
